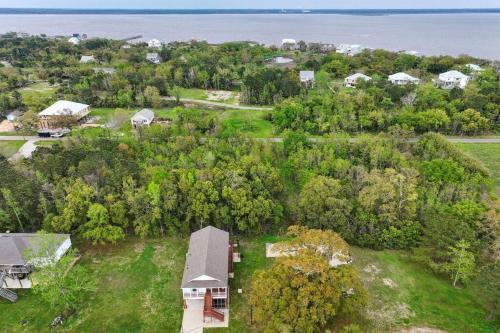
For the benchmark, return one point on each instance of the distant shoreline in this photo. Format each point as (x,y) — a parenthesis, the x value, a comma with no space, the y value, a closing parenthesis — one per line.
(362,12)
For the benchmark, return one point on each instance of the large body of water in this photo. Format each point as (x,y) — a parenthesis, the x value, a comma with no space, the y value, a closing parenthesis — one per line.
(476,34)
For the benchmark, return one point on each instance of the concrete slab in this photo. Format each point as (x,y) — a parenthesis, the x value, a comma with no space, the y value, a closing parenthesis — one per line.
(192,321)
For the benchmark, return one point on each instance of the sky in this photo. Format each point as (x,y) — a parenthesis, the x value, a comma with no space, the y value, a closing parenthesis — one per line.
(261,4)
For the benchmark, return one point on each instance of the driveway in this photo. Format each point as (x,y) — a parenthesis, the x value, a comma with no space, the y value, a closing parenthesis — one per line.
(25,151)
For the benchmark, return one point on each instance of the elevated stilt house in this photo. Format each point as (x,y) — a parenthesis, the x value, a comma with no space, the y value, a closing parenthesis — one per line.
(209,265)
(21,253)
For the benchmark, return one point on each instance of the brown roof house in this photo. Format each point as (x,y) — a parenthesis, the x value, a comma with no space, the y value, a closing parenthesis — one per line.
(205,283)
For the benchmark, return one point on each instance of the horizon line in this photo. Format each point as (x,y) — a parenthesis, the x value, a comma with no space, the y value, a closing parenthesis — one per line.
(200,9)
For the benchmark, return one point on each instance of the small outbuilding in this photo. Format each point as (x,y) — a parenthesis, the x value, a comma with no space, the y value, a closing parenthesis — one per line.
(352,80)
(401,79)
(142,118)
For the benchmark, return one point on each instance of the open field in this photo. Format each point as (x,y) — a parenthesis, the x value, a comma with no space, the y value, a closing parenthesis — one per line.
(138,291)
(249,122)
(489,154)
(9,148)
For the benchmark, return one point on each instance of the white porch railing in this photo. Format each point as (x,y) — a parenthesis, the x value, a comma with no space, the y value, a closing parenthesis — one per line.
(201,294)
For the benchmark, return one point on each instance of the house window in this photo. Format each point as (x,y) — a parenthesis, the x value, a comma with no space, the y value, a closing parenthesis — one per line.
(194,290)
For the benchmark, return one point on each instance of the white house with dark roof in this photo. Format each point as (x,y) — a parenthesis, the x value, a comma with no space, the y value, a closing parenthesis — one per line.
(20,253)
(401,79)
(205,282)
(307,78)
(453,79)
(142,118)
(352,80)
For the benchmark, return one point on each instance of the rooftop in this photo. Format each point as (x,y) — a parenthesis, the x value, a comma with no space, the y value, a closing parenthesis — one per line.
(402,77)
(146,114)
(306,75)
(207,256)
(63,108)
(13,247)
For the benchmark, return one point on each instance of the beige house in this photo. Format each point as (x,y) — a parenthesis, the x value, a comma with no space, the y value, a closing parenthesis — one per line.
(52,119)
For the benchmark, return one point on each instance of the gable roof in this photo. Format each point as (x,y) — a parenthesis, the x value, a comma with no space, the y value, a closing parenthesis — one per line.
(63,108)
(402,77)
(207,256)
(145,114)
(357,76)
(453,75)
(13,247)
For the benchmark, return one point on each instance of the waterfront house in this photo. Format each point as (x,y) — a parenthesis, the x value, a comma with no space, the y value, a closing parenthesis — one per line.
(350,49)
(307,78)
(401,79)
(288,44)
(153,57)
(87,59)
(142,118)
(453,79)
(57,117)
(474,68)
(205,282)
(21,253)
(352,80)
(154,44)
(74,40)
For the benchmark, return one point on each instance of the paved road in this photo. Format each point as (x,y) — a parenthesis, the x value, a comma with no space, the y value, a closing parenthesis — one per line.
(219,104)
(26,138)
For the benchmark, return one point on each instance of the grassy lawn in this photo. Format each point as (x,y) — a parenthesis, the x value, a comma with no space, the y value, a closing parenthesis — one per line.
(9,148)
(193,93)
(413,296)
(489,154)
(249,122)
(417,298)
(138,291)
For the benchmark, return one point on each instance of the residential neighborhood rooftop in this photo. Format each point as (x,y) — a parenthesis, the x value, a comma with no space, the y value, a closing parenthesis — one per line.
(62,108)
(13,247)
(207,259)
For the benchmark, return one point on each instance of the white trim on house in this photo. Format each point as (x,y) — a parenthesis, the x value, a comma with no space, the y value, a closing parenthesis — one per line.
(352,80)
(401,79)
(453,79)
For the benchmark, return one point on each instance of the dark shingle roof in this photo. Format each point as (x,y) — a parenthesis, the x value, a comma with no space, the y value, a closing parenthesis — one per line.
(207,256)
(13,247)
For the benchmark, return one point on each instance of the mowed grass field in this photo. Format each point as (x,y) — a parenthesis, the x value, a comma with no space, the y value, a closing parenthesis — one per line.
(489,154)
(9,148)
(138,290)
